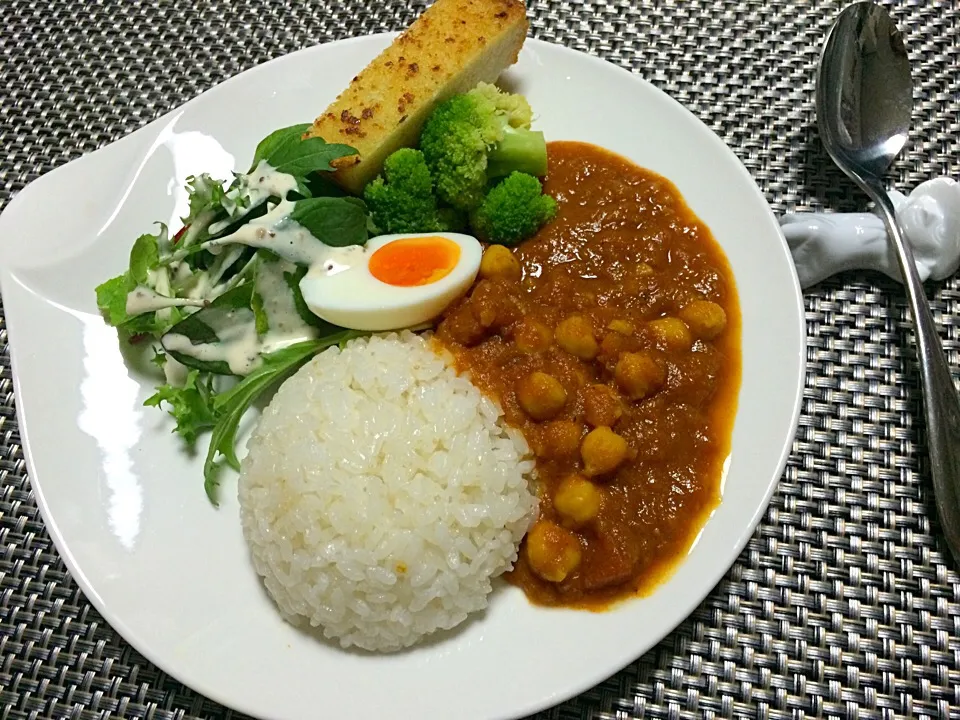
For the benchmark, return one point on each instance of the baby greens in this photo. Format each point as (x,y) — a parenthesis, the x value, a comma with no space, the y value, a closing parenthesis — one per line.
(286,151)
(220,303)
(205,327)
(112,295)
(335,221)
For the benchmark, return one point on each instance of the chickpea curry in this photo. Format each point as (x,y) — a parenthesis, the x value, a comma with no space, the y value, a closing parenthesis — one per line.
(612,341)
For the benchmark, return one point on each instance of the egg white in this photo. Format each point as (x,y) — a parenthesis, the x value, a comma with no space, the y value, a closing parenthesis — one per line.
(342,291)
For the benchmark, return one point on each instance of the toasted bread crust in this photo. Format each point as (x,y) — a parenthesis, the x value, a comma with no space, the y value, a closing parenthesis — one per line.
(449,49)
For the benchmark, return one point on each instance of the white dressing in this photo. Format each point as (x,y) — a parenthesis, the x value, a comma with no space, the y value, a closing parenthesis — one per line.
(285,326)
(143,299)
(200,286)
(238,346)
(200,223)
(174,371)
(279,234)
(224,263)
(254,187)
(159,280)
(266,181)
(339,260)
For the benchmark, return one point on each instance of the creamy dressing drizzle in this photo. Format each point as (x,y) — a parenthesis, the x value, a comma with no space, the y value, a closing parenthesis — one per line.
(224,263)
(159,280)
(174,371)
(266,181)
(199,224)
(201,286)
(238,346)
(337,260)
(218,226)
(285,326)
(143,299)
(262,182)
(279,234)
(181,272)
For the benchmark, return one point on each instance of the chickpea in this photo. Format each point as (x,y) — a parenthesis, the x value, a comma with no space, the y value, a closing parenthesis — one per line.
(553,551)
(624,327)
(577,500)
(532,336)
(498,262)
(629,286)
(613,343)
(644,269)
(672,332)
(602,451)
(492,307)
(639,374)
(541,395)
(575,335)
(561,438)
(462,326)
(704,318)
(601,405)
(486,316)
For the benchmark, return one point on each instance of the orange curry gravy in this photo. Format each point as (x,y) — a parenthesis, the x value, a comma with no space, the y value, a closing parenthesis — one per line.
(623,252)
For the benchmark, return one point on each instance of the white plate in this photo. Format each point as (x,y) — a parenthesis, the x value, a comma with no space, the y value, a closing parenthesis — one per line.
(127,510)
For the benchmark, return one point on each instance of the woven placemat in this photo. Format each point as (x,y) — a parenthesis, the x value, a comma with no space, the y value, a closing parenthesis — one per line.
(843,605)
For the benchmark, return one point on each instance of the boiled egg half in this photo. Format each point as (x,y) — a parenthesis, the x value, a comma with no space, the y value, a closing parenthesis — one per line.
(392,282)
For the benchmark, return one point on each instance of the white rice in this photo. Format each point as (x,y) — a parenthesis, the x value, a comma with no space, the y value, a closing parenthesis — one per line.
(382,493)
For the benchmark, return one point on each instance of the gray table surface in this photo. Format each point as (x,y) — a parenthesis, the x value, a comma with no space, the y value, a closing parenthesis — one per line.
(843,605)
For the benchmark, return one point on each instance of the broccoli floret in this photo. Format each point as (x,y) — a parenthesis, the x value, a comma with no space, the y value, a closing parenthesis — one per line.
(451,219)
(513,210)
(401,200)
(514,108)
(475,138)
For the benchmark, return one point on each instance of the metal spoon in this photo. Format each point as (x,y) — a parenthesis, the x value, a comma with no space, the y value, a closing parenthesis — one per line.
(864,102)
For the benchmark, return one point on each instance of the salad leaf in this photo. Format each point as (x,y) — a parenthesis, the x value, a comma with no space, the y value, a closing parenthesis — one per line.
(287,151)
(334,221)
(190,406)
(205,194)
(257,211)
(154,324)
(159,358)
(231,405)
(144,256)
(320,185)
(260,319)
(203,327)
(275,141)
(112,302)
(306,314)
(198,326)
(112,294)
(112,298)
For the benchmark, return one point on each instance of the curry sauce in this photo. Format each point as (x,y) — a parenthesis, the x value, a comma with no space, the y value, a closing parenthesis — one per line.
(612,341)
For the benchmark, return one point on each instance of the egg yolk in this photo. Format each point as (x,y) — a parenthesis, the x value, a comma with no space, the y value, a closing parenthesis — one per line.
(414,261)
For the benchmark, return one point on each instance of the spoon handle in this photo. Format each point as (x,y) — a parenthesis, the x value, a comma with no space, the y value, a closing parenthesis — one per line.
(940,395)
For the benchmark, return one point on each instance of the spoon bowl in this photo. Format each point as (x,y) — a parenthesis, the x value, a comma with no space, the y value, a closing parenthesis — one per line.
(864,92)
(864,101)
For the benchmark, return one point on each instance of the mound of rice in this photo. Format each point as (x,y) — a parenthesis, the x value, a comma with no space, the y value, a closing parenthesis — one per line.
(382,493)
